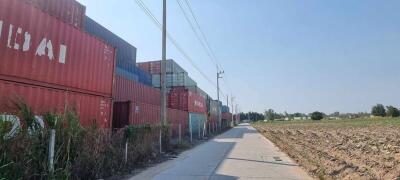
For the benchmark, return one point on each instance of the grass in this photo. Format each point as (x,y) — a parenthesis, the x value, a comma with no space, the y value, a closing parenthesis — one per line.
(360,122)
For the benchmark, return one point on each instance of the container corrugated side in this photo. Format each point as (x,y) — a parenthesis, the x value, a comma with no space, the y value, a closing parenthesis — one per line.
(154,67)
(183,99)
(128,90)
(197,123)
(43,99)
(226,116)
(125,51)
(178,118)
(38,48)
(69,11)
(225,109)
(143,113)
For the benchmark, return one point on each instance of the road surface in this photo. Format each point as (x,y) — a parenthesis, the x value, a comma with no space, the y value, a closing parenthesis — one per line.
(240,153)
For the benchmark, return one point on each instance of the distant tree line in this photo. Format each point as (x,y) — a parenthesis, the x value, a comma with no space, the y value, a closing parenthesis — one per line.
(380,111)
(252,116)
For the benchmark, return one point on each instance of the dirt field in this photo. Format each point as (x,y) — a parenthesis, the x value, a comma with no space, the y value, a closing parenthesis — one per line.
(340,149)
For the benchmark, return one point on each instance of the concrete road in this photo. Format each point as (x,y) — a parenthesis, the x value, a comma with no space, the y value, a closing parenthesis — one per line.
(240,153)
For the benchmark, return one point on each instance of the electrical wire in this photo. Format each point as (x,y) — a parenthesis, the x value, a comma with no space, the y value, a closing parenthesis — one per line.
(173,41)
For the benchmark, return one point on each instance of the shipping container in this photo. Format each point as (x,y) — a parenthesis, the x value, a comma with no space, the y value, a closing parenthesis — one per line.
(128,90)
(197,125)
(143,113)
(215,107)
(125,51)
(69,11)
(174,80)
(135,75)
(225,109)
(186,100)
(52,53)
(135,113)
(176,119)
(154,67)
(226,116)
(90,108)
(126,74)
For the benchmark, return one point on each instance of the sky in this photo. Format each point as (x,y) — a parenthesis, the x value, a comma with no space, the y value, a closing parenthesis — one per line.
(294,56)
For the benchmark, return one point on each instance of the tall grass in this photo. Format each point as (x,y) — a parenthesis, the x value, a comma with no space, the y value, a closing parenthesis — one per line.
(80,152)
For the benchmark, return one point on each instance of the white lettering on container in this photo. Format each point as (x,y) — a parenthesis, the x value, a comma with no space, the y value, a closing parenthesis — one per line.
(41,50)
(27,42)
(16,45)
(1,28)
(10,30)
(63,53)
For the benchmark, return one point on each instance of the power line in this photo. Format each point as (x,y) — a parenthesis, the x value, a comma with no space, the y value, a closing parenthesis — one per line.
(213,58)
(197,34)
(201,31)
(173,41)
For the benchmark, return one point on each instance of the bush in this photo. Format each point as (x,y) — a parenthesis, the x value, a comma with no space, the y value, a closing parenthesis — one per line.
(317,116)
(378,110)
(80,153)
(392,111)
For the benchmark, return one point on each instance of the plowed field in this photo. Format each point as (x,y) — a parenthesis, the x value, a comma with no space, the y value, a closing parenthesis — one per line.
(340,149)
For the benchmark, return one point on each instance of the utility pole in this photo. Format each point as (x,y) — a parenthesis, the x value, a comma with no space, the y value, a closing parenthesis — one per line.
(163,72)
(219,73)
(233,110)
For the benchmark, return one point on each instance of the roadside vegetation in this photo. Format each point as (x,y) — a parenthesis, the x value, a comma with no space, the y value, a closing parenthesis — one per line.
(79,152)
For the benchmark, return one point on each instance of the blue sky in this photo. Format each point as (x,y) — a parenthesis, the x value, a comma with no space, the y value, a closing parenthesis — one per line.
(294,56)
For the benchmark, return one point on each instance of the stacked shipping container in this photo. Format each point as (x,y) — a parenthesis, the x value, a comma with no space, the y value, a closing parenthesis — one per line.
(186,100)
(126,53)
(55,61)
(68,11)
(178,118)
(176,75)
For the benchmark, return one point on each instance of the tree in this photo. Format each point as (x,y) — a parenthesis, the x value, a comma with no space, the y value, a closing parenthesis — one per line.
(378,110)
(317,116)
(270,114)
(392,111)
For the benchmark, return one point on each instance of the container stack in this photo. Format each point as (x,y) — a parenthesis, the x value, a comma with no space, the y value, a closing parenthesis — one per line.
(126,53)
(226,117)
(52,64)
(213,115)
(54,57)
(141,101)
(176,75)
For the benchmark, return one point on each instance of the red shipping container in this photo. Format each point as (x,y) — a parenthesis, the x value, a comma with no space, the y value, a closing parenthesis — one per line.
(143,113)
(128,90)
(186,100)
(226,116)
(36,48)
(176,118)
(69,11)
(43,99)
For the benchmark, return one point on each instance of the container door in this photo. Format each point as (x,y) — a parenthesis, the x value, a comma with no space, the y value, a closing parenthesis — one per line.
(121,115)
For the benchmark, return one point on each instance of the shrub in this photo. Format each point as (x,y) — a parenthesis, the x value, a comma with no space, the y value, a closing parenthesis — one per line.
(392,111)
(317,116)
(80,153)
(378,110)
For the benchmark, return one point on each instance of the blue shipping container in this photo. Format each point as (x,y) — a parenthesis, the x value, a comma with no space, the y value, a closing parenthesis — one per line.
(225,109)
(125,51)
(135,74)
(196,125)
